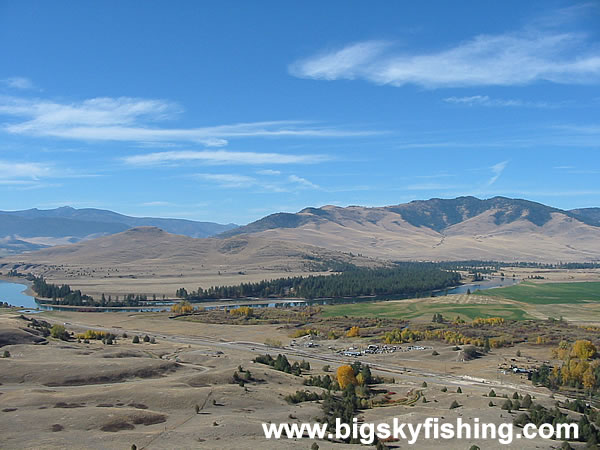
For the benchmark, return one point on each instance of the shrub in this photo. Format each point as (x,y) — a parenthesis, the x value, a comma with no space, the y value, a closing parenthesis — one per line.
(454,404)
(303,396)
(470,352)
(492,393)
(146,338)
(424,384)
(491,403)
(434,353)
(444,389)
(59,332)
(459,390)
(136,340)
(507,405)
(273,342)
(521,420)
(326,368)
(6,354)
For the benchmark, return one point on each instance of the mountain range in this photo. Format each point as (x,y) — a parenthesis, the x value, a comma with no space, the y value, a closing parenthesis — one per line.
(33,229)
(498,228)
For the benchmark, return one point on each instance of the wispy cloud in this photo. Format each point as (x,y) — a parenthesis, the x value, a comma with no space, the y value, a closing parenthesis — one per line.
(513,58)
(10,170)
(157,203)
(303,182)
(17,83)
(268,172)
(580,129)
(26,175)
(222,157)
(228,180)
(134,120)
(484,100)
(232,181)
(497,170)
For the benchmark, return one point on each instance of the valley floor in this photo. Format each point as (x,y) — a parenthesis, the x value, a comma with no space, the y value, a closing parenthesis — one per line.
(69,394)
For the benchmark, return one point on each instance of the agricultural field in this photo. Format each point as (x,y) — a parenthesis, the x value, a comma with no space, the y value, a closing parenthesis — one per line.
(548,293)
(413,310)
(577,302)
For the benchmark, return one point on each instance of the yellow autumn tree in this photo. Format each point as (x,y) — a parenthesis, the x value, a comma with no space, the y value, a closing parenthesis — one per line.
(360,379)
(584,349)
(589,380)
(242,311)
(183,307)
(353,332)
(345,376)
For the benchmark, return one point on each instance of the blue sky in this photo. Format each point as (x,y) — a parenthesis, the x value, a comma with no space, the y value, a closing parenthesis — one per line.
(229,111)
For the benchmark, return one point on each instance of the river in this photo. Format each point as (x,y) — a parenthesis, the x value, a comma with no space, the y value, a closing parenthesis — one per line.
(14,294)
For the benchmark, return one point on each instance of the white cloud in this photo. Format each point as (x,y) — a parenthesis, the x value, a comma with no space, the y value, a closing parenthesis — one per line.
(268,172)
(222,157)
(18,83)
(130,119)
(497,170)
(101,111)
(485,60)
(228,180)
(303,182)
(236,181)
(10,170)
(157,203)
(484,100)
(349,62)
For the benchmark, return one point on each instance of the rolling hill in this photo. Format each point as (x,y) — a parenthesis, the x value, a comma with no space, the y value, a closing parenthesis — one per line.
(150,260)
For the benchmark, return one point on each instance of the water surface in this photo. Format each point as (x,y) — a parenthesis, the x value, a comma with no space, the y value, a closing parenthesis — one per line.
(14,295)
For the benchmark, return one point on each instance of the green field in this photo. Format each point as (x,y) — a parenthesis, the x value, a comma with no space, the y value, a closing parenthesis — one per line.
(530,294)
(548,293)
(413,310)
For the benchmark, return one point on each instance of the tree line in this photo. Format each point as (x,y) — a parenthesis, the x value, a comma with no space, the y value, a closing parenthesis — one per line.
(64,295)
(403,279)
